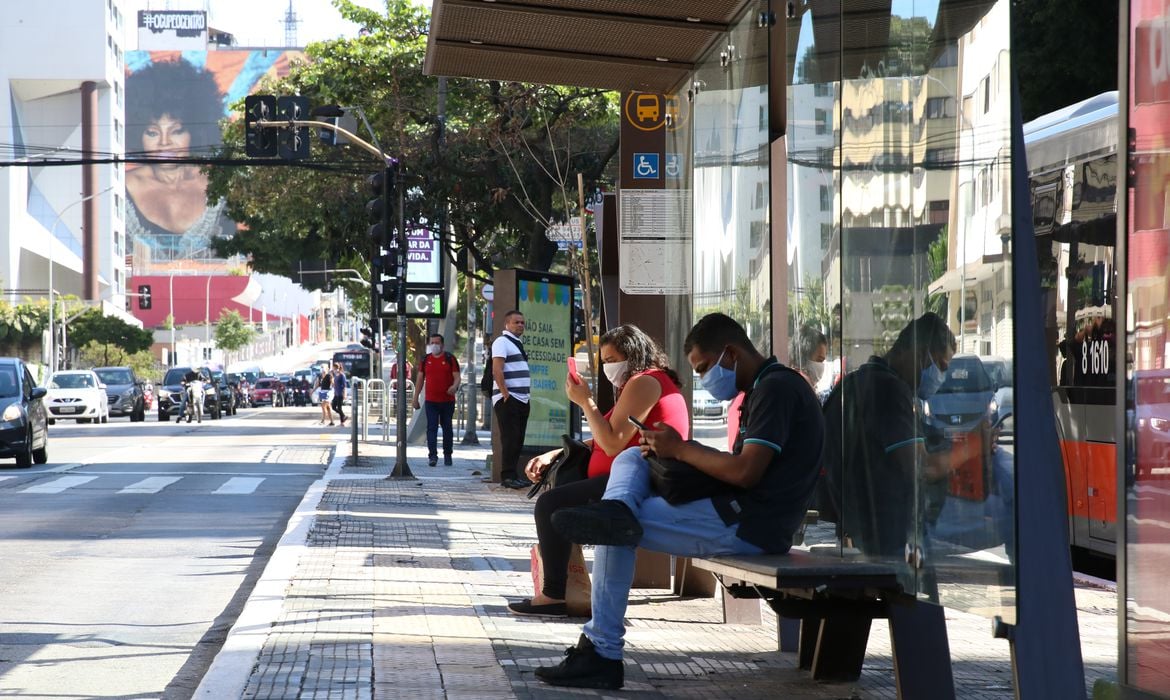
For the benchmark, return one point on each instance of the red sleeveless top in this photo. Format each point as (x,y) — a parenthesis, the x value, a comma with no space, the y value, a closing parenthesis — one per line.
(670,409)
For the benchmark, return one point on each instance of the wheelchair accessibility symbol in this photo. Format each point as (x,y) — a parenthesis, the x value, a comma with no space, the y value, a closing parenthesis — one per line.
(646,166)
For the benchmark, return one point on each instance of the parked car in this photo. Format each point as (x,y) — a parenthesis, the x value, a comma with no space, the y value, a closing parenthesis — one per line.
(1000,371)
(24,419)
(125,391)
(170,393)
(77,394)
(268,391)
(962,412)
(704,405)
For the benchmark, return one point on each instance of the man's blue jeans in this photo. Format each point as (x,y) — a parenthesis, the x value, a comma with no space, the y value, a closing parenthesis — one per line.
(439,414)
(688,530)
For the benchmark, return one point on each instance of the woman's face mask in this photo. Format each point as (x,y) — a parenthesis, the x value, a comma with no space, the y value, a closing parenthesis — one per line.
(616,372)
(815,371)
(720,381)
(931,379)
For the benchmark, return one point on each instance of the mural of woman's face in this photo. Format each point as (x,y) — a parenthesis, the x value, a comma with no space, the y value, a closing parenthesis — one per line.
(166,137)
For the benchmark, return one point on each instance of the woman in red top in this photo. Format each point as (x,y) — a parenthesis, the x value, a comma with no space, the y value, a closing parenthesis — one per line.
(648,389)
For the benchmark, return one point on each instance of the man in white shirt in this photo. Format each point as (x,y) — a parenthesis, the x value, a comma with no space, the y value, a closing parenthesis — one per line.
(510,395)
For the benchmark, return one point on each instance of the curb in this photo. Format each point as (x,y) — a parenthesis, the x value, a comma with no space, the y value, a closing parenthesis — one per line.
(228,674)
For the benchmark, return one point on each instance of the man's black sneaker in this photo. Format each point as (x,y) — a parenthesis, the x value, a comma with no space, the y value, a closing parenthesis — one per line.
(583,667)
(607,522)
(432,461)
(447,461)
(515,483)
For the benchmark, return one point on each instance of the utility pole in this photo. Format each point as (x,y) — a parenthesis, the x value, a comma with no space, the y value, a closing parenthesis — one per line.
(470,437)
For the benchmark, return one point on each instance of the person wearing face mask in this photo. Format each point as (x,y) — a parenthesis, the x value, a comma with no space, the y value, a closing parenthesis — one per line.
(810,348)
(879,468)
(438,374)
(766,480)
(648,389)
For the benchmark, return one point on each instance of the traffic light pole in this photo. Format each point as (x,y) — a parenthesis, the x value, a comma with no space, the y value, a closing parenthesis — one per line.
(401,468)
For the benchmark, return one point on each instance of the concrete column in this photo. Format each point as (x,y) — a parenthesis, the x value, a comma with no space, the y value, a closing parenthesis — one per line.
(89,187)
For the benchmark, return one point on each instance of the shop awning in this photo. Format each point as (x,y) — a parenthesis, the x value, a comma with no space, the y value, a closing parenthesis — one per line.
(646,45)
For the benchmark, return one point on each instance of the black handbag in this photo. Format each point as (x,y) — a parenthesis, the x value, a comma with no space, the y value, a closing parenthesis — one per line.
(679,482)
(571,465)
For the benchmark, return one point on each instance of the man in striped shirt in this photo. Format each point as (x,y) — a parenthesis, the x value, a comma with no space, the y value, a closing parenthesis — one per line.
(510,396)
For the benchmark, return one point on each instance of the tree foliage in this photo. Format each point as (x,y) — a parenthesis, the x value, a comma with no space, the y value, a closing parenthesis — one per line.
(95,354)
(232,332)
(489,165)
(92,326)
(1064,51)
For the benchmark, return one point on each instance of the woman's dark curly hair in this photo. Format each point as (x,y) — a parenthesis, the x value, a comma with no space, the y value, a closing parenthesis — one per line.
(179,90)
(641,352)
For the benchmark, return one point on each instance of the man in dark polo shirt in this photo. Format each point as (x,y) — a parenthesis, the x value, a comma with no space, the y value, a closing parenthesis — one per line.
(876,441)
(757,502)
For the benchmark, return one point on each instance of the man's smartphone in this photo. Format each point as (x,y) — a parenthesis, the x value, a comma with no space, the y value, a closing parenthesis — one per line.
(572,362)
(637,423)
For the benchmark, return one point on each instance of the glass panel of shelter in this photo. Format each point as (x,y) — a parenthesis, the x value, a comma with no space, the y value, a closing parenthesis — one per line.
(899,206)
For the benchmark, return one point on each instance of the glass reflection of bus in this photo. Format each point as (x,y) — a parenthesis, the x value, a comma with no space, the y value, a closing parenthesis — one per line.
(355,362)
(1072,169)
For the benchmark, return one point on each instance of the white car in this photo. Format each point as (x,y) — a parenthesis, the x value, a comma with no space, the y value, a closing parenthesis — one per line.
(704,405)
(78,394)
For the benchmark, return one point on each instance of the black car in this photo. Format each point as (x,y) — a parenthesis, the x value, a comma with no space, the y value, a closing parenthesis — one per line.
(170,393)
(24,420)
(124,390)
(227,397)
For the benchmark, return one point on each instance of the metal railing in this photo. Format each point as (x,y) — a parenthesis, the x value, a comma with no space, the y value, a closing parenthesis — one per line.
(374,400)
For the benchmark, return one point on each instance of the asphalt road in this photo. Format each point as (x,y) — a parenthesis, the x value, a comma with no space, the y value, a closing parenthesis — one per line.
(125,559)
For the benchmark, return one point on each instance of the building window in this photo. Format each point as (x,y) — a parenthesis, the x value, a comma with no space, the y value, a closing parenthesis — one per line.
(760,196)
(826,198)
(822,120)
(763,118)
(756,238)
(940,107)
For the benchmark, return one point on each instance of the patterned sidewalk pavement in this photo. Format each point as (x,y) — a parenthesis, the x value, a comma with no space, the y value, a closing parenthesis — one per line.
(401,586)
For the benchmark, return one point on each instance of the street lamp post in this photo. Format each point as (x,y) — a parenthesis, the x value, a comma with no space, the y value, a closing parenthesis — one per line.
(207,314)
(52,238)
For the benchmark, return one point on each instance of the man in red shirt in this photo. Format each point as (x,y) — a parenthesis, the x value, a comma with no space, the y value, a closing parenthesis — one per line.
(438,374)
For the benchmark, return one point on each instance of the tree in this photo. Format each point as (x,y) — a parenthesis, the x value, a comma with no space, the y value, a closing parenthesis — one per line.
(456,166)
(232,332)
(1064,51)
(92,326)
(95,354)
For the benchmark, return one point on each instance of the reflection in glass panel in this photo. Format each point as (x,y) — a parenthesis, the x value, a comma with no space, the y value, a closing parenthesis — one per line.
(1147,604)
(732,268)
(898,252)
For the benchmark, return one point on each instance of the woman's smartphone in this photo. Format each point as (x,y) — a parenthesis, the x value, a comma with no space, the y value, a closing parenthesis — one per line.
(572,362)
(637,423)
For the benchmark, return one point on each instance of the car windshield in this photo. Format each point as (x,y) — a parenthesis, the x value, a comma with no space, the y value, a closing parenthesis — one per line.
(965,375)
(71,381)
(175,376)
(8,384)
(264,383)
(1000,372)
(217,376)
(115,376)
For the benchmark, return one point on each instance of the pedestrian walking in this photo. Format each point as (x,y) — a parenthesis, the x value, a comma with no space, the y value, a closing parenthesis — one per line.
(438,374)
(510,395)
(339,384)
(324,391)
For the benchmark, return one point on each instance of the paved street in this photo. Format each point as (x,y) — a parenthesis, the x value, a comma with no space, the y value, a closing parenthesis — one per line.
(128,556)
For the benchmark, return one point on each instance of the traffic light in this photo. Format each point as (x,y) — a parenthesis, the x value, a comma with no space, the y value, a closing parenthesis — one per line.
(259,141)
(293,142)
(380,209)
(369,338)
(144,297)
(389,273)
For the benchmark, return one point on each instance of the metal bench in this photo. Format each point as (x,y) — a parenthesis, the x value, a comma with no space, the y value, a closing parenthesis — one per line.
(826,604)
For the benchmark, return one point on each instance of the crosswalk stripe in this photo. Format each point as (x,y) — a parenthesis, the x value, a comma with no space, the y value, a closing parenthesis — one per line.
(238,486)
(153,484)
(6,478)
(60,484)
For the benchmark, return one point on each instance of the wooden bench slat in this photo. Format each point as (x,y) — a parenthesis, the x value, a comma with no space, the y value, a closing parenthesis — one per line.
(800,569)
